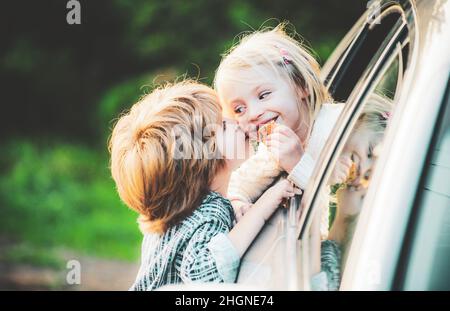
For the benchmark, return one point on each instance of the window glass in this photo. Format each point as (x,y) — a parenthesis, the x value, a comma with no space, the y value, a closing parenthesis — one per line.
(342,195)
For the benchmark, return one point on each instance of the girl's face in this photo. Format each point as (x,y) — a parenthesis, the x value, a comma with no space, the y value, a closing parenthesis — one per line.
(361,149)
(257,95)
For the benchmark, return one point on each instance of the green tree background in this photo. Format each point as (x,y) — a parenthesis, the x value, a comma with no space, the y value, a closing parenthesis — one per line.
(63,85)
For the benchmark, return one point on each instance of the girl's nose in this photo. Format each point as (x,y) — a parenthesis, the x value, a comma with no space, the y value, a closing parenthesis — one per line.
(254,114)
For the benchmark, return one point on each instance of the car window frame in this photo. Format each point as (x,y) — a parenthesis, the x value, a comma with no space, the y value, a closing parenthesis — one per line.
(336,65)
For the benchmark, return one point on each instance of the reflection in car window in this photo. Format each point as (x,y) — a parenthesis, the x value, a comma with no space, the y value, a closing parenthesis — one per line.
(388,84)
(350,177)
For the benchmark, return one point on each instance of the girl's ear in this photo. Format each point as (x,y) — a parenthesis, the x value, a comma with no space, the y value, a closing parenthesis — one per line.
(303,93)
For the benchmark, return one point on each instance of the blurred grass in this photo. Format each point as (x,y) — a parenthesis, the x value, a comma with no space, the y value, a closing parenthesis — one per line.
(59,194)
(24,253)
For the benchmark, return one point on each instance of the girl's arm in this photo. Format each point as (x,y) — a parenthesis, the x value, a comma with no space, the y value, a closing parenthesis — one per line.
(249,181)
(323,126)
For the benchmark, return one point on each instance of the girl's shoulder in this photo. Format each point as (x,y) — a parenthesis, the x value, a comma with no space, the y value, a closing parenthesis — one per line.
(323,125)
(328,115)
(328,108)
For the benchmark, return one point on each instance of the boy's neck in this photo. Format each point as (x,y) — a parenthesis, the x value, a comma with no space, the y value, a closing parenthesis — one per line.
(220,181)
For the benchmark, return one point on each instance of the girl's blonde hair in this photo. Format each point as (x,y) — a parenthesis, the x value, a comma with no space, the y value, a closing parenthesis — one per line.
(287,57)
(376,114)
(162,188)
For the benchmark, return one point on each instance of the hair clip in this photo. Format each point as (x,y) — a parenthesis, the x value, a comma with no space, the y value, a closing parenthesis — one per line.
(285,55)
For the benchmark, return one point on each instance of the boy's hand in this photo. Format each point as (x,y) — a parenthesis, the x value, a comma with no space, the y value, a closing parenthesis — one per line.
(285,146)
(273,196)
(341,170)
(240,208)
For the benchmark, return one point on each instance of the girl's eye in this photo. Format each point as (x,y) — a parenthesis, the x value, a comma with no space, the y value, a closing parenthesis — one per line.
(264,94)
(239,110)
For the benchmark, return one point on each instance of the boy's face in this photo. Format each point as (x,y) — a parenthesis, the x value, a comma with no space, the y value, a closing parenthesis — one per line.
(232,143)
(258,95)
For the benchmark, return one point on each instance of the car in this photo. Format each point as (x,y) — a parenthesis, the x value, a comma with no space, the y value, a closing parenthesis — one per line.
(398,53)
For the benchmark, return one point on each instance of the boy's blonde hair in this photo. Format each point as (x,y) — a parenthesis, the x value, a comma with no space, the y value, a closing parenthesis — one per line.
(287,57)
(162,188)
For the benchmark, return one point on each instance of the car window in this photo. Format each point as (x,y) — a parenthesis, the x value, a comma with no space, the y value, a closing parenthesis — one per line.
(426,263)
(341,195)
(355,58)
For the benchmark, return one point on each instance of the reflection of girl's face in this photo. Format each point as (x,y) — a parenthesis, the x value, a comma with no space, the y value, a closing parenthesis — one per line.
(360,148)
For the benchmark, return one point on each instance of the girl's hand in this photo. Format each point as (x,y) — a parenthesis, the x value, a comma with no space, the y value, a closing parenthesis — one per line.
(341,171)
(273,197)
(285,145)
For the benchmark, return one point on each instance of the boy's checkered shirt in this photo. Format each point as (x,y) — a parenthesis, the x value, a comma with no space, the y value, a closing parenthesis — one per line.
(195,250)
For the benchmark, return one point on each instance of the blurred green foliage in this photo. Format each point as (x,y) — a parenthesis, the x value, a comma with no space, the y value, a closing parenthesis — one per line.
(61,195)
(64,85)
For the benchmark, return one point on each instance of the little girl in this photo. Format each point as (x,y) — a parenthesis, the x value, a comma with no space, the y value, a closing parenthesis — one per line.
(169,163)
(269,77)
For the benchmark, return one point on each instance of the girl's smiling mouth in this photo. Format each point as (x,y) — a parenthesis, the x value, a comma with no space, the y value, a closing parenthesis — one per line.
(275,119)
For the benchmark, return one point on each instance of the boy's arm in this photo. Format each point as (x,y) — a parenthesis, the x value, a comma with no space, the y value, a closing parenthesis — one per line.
(209,255)
(245,231)
(213,253)
(329,278)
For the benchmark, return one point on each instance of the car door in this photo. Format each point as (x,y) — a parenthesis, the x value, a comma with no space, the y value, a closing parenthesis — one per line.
(423,263)
(272,261)
(410,73)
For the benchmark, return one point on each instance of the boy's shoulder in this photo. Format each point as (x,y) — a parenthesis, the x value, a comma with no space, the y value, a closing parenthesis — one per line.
(214,207)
